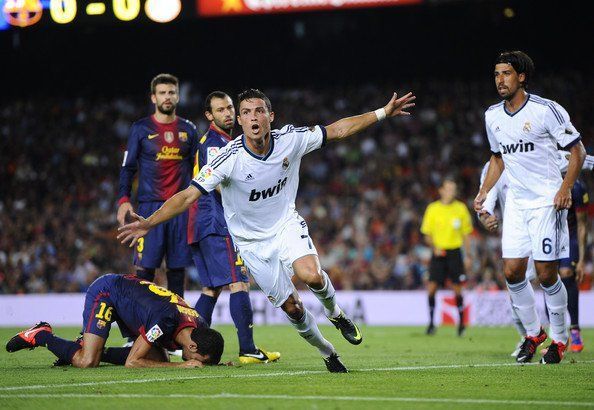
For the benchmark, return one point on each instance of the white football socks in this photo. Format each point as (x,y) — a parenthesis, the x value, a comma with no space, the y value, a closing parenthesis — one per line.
(522,297)
(556,299)
(327,295)
(516,320)
(308,329)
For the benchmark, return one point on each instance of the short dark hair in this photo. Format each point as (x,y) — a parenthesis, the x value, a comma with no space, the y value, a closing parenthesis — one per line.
(253,93)
(209,343)
(520,61)
(209,97)
(163,79)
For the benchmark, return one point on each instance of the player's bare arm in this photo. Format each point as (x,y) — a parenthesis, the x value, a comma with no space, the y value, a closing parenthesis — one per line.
(351,125)
(495,170)
(140,351)
(576,161)
(174,206)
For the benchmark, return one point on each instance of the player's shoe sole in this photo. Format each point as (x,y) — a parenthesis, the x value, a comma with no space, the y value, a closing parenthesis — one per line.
(348,328)
(260,356)
(334,365)
(529,347)
(26,338)
(554,353)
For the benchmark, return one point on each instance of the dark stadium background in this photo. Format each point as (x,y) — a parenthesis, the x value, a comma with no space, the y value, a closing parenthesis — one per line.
(63,90)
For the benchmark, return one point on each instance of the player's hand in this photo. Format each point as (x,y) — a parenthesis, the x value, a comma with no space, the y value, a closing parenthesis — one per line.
(489,221)
(124,210)
(563,199)
(133,231)
(579,271)
(478,202)
(440,253)
(399,106)
(191,364)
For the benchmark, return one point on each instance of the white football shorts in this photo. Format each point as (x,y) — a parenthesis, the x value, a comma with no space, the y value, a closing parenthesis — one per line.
(270,261)
(540,231)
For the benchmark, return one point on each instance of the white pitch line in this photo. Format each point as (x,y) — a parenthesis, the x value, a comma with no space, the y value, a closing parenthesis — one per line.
(288,397)
(264,375)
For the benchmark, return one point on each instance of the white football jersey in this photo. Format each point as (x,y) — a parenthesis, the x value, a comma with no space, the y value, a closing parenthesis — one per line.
(527,141)
(259,193)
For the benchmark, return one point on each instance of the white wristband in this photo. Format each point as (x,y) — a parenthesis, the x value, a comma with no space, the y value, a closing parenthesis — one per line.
(380,113)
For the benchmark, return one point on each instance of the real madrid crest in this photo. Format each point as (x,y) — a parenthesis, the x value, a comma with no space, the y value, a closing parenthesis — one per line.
(527,126)
(285,163)
(169,137)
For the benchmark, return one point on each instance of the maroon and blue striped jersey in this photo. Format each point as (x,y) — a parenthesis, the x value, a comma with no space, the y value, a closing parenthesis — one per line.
(206,215)
(163,154)
(144,309)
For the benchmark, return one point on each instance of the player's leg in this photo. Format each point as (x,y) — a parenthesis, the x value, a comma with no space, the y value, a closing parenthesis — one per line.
(300,256)
(548,228)
(308,329)
(432,286)
(209,296)
(178,253)
(150,249)
(568,277)
(219,265)
(274,279)
(455,271)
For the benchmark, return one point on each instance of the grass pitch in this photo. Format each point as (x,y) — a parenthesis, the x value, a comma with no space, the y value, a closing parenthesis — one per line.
(394,367)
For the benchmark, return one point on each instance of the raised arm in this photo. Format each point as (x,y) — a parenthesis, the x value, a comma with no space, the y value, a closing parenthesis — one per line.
(351,125)
(174,206)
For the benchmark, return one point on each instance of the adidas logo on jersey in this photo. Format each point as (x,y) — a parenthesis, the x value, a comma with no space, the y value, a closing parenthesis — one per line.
(249,177)
(520,146)
(268,192)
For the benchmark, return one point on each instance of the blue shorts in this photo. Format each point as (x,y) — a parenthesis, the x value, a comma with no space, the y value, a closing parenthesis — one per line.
(217,262)
(99,314)
(574,255)
(168,240)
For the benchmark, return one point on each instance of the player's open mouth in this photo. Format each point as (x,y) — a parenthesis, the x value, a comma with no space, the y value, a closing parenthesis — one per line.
(255,128)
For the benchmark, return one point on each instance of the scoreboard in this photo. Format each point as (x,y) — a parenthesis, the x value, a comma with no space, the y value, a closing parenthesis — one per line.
(26,13)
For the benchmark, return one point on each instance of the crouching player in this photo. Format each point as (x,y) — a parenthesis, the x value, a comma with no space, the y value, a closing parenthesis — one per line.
(156,317)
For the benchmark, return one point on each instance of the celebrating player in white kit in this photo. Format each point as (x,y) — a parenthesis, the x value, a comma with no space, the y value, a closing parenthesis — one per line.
(524,131)
(258,174)
(490,221)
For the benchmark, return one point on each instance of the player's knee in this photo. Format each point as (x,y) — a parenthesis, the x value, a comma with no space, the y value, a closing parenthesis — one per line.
(294,309)
(212,292)
(313,277)
(238,287)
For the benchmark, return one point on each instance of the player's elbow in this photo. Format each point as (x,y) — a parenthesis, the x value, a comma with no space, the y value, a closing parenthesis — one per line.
(335,132)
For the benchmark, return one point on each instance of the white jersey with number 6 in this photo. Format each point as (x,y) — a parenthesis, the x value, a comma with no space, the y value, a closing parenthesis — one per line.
(527,140)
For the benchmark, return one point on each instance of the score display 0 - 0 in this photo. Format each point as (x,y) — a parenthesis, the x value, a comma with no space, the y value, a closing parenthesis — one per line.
(23,13)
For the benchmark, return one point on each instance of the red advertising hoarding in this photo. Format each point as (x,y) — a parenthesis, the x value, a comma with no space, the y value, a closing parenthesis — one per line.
(211,8)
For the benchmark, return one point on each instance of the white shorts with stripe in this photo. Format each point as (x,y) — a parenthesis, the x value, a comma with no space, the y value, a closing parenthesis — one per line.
(541,232)
(270,261)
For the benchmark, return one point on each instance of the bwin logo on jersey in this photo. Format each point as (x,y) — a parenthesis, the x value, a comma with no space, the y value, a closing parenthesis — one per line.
(268,192)
(520,146)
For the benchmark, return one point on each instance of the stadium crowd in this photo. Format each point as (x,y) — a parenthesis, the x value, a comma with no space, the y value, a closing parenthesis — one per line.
(363,199)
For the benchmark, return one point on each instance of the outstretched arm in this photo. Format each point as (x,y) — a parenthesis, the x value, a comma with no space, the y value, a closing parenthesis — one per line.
(351,125)
(174,206)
